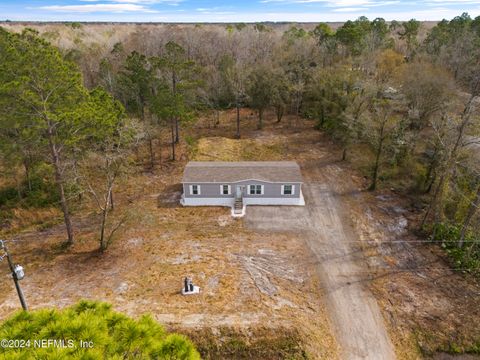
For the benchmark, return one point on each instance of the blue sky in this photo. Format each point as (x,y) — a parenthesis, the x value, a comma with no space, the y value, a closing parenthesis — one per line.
(231,10)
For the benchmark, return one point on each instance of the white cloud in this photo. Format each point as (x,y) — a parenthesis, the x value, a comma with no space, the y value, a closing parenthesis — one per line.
(175,17)
(332,10)
(342,6)
(216,10)
(336,3)
(139,2)
(96,8)
(114,6)
(454,2)
(350,9)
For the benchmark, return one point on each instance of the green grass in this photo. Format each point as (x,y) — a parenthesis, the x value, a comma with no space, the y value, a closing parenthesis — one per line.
(467,258)
(430,343)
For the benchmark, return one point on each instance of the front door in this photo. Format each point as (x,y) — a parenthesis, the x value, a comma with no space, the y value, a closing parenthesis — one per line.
(239,191)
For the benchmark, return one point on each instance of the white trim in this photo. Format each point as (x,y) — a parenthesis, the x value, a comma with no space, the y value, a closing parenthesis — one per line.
(298,201)
(283,189)
(199,191)
(262,189)
(217,201)
(229,189)
(230,202)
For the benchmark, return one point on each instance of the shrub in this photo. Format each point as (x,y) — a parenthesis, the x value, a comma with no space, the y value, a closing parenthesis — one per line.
(75,25)
(38,194)
(8,195)
(113,335)
(466,258)
(192,145)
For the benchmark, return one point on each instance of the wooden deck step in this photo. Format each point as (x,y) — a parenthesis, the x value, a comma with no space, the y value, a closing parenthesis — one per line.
(238,206)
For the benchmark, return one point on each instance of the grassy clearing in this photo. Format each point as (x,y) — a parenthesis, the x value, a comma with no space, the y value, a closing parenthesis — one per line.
(224,149)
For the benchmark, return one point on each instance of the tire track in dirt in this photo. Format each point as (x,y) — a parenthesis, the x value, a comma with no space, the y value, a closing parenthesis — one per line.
(353,311)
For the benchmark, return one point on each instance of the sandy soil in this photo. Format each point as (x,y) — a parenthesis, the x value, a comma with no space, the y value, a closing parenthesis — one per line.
(252,278)
(249,280)
(353,310)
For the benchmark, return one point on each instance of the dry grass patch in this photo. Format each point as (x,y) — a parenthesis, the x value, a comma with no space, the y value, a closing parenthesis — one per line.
(162,242)
(29,219)
(224,149)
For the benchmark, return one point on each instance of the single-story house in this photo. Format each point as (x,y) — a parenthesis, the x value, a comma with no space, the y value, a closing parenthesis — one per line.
(237,184)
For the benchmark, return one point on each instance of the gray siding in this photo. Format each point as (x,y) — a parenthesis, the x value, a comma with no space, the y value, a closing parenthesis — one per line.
(212,190)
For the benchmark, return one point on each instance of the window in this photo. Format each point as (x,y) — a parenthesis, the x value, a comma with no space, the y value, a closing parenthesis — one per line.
(256,190)
(288,189)
(194,189)
(225,189)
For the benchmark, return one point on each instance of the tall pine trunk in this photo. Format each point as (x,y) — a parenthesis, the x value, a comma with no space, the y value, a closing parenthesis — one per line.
(173,138)
(279,112)
(177,131)
(373,186)
(26,165)
(216,118)
(260,119)
(152,153)
(176,139)
(103,243)
(237,135)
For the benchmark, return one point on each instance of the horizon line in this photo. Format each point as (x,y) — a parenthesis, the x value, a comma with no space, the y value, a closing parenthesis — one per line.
(194,22)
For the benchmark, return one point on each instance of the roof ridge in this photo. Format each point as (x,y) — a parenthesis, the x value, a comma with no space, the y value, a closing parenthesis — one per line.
(234,171)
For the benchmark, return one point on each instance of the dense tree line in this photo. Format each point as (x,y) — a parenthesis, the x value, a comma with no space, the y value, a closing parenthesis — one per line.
(404,93)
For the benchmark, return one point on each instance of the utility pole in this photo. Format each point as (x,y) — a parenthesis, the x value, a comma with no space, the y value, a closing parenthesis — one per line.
(17,274)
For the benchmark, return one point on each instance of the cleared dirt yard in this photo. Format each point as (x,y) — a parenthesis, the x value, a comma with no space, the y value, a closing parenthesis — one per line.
(353,310)
(260,293)
(280,284)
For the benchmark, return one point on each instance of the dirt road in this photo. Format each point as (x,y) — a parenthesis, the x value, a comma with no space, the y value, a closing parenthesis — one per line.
(353,311)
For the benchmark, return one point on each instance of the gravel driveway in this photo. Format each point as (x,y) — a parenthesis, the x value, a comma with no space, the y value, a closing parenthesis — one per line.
(353,311)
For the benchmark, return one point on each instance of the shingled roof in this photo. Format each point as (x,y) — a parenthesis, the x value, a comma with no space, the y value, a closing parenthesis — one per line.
(221,172)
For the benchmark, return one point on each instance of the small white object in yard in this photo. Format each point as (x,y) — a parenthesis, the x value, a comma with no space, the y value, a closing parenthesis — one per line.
(189,288)
(19,272)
